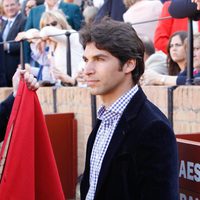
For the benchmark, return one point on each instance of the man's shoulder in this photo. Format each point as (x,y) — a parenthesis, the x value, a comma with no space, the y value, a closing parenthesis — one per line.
(37,9)
(20,20)
(22,17)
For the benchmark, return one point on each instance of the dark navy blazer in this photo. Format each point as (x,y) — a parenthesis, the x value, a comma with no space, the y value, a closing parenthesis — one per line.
(141,161)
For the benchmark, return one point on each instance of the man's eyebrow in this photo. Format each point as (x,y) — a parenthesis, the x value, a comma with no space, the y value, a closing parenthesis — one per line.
(96,56)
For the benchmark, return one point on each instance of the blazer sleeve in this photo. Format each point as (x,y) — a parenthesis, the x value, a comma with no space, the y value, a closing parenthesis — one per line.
(5,110)
(184,8)
(163,30)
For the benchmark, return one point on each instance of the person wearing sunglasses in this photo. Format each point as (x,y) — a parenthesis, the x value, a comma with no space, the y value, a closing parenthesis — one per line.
(51,47)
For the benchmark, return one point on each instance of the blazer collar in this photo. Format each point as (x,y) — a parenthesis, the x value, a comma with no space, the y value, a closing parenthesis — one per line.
(121,130)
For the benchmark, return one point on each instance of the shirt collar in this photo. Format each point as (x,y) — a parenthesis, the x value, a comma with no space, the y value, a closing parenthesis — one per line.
(12,19)
(56,6)
(117,108)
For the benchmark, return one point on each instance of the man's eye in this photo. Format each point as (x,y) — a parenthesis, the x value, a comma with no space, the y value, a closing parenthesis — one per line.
(85,60)
(99,59)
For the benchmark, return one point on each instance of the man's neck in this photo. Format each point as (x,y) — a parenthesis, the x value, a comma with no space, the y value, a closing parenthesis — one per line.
(52,7)
(110,98)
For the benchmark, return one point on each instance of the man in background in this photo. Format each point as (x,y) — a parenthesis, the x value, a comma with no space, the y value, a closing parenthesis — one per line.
(11,27)
(71,11)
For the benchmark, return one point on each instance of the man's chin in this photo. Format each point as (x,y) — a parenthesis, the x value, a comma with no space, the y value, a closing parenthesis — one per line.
(94,91)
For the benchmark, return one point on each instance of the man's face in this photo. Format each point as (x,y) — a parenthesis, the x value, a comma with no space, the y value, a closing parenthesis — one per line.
(11,8)
(103,73)
(196,53)
(51,3)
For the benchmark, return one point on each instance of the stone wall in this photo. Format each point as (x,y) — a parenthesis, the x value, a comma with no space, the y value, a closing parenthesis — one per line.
(186,108)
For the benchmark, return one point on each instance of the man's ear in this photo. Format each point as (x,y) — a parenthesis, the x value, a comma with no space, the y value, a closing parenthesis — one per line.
(129,66)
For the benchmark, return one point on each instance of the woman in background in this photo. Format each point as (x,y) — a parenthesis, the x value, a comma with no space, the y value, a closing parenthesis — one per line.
(50,51)
(176,61)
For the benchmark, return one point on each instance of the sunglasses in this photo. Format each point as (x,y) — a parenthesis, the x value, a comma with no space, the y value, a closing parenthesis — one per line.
(54,23)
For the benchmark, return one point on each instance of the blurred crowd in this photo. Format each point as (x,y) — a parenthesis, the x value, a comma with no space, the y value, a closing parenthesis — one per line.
(48,31)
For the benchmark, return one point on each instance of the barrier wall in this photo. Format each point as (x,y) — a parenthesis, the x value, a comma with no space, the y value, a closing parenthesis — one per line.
(186,108)
(62,128)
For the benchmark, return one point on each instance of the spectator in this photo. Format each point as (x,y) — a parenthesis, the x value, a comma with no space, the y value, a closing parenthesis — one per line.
(53,56)
(151,10)
(176,60)
(154,60)
(196,54)
(132,152)
(14,24)
(165,28)
(153,78)
(71,11)
(29,5)
(176,53)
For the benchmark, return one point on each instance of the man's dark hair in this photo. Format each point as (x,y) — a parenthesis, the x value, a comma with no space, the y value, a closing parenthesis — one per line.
(119,39)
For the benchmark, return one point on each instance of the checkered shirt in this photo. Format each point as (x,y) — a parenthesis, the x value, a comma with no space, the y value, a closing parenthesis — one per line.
(109,118)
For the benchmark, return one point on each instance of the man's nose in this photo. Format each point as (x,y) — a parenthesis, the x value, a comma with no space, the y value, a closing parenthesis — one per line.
(89,68)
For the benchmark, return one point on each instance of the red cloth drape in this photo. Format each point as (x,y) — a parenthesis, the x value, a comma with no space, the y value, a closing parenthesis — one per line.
(30,170)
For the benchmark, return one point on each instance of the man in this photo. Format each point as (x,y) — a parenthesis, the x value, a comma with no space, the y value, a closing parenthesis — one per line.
(72,12)
(132,152)
(14,24)
(6,106)
(154,60)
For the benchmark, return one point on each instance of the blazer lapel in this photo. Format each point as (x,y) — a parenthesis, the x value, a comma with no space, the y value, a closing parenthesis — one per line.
(119,134)
(3,25)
